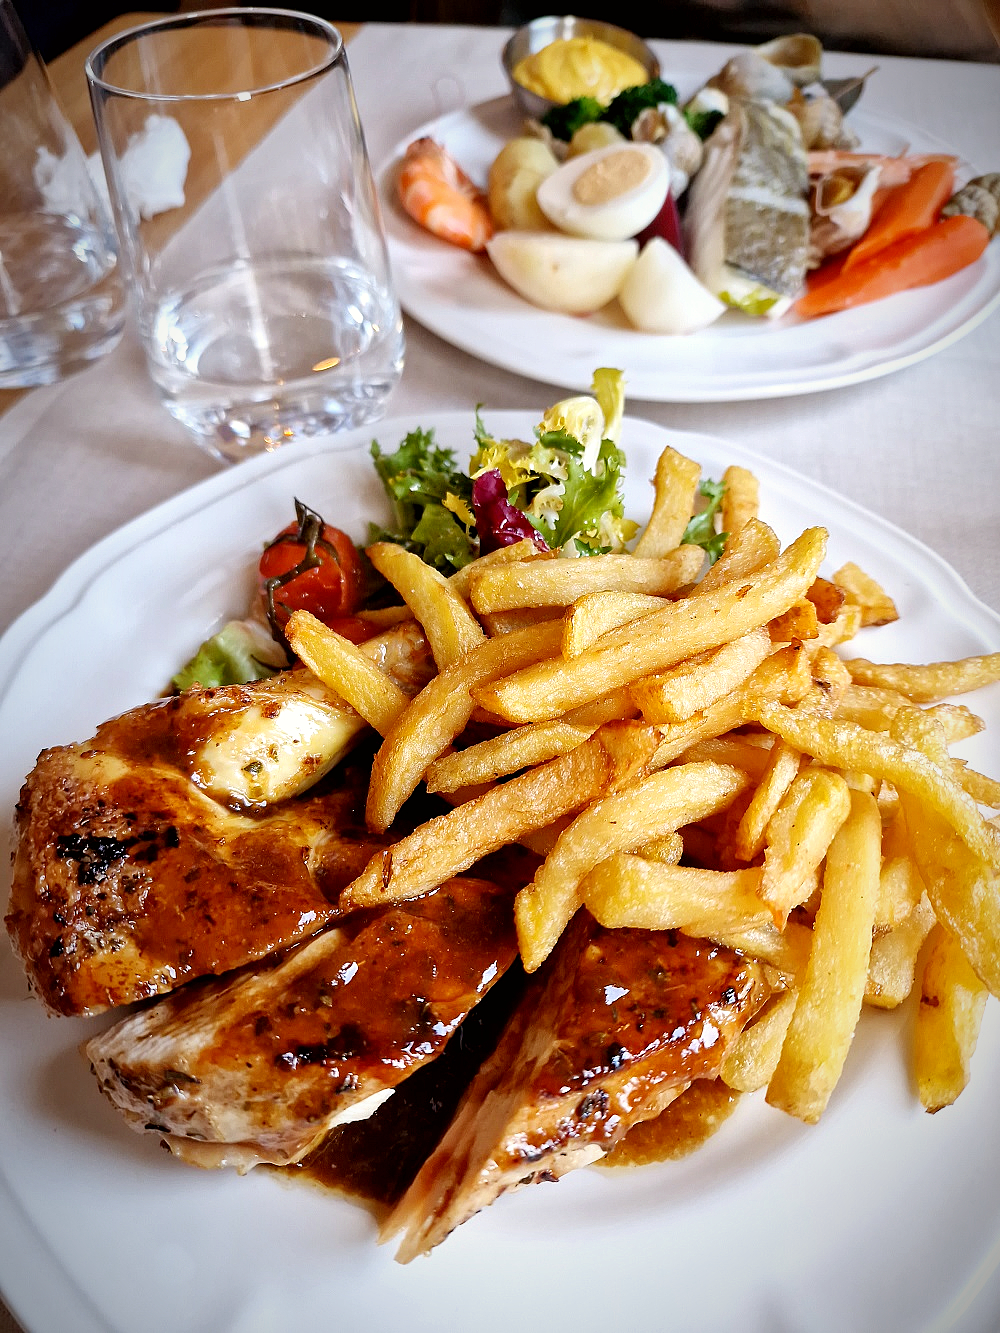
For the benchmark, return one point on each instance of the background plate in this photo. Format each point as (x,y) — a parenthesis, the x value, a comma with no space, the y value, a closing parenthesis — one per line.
(880,1217)
(460,297)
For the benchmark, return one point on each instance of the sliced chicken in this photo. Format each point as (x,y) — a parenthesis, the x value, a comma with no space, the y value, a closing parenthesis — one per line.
(165,848)
(615,1027)
(260,1066)
(129,881)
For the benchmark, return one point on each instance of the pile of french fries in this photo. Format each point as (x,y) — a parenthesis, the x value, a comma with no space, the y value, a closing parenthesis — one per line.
(686,749)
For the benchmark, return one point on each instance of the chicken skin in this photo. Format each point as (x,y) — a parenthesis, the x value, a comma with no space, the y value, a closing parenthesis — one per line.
(260,1066)
(611,1031)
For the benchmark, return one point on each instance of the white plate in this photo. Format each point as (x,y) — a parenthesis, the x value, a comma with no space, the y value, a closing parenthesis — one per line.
(460,297)
(880,1217)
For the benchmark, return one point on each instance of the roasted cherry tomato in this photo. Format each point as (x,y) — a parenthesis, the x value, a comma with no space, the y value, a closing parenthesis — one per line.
(311,566)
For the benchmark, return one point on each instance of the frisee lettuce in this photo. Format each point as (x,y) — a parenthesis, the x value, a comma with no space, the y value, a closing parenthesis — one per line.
(700,530)
(566,481)
(430,500)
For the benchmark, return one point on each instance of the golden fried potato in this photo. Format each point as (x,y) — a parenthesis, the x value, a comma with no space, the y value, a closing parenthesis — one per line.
(952,1000)
(833,986)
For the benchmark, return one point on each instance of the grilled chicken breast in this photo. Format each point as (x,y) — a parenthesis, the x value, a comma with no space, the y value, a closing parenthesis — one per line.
(165,848)
(128,881)
(260,1066)
(615,1027)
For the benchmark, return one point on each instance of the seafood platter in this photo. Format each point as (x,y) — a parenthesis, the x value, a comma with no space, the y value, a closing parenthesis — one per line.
(756,234)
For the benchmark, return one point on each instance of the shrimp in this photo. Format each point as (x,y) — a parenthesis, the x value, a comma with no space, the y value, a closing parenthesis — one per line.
(894,170)
(437,193)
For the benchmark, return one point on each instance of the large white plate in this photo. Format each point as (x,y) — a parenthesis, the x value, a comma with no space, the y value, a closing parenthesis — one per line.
(880,1217)
(460,297)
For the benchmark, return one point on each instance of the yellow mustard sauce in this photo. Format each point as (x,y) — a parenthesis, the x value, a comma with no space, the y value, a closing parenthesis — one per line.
(579,67)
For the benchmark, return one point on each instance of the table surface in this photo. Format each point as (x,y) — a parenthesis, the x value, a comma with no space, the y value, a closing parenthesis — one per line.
(918,446)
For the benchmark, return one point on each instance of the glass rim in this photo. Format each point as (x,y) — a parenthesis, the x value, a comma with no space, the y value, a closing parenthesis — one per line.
(203,17)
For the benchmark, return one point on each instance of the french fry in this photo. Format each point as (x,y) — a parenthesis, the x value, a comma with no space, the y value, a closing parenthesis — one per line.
(783,765)
(345,668)
(798,622)
(450,843)
(785,949)
(659,640)
(962,883)
(522,747)
(798,836)
(740,499)
(539,583)
(829,681)
(595,613)
(952,1000)
(522,617)
(900,889)
(699,682)
(634,891)
(753,1056)
(893,961)
(748,550)
(847,746)
(927,684)
(451,628)
(784,675)
(651,807)
(684,1125)
(877,607)
(874,707)
(675,487)
(384,617)
(983,790)
(668,850)
(424,730)
(842,628)
(525,549)
(827,598)
(833,985)
(739,750)
(615,706)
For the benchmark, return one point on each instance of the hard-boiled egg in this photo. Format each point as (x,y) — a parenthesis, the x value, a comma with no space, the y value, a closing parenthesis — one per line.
(608,194)
(565,273)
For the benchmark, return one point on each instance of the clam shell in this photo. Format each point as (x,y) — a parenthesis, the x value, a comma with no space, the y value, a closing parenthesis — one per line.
(799,55)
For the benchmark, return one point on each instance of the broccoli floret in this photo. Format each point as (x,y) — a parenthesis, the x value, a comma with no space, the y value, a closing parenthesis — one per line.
(623,110)
(703,122)
(564,121)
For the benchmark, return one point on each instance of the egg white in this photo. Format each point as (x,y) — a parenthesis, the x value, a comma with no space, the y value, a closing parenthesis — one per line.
(618,213)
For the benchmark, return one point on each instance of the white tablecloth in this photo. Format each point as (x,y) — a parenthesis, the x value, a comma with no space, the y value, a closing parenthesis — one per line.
(918,446)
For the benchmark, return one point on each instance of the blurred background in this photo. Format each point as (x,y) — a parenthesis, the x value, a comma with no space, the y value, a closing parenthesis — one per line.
(952,29)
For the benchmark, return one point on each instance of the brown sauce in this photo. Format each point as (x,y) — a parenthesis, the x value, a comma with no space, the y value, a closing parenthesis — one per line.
(374,1161)
(685,1125)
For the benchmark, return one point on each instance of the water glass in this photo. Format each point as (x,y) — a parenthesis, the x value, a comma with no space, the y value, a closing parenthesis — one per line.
(261,280)
(61,301)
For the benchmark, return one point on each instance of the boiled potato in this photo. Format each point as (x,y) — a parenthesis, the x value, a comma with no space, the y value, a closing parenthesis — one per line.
(662,295)
(564,273)
(517,171)
(595,134)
